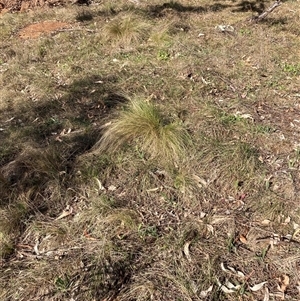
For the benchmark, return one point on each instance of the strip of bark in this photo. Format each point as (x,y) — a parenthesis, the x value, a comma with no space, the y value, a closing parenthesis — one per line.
(266,12)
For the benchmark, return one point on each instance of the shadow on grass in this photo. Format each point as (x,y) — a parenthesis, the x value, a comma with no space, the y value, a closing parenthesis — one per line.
(253,6)
(42,142)
(40,147)
(160,10)
(84,104)
(275,21)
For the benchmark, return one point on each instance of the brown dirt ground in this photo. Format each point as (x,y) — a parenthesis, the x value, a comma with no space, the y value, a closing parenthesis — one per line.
(35,30)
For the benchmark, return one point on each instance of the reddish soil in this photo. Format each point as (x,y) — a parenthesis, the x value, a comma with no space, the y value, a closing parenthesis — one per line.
(35,30)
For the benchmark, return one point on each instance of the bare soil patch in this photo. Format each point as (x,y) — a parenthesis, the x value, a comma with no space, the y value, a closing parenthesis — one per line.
(35,30)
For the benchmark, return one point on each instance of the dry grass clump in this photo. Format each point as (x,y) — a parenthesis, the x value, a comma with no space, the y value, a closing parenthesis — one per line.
(125,30)
(142,124)
(161,34)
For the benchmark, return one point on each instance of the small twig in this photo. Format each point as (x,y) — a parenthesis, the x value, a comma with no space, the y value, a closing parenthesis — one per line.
(74,29)
(226,81)
(266,12)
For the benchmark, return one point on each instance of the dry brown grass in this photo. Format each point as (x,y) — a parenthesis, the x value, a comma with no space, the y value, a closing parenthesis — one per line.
(161,198)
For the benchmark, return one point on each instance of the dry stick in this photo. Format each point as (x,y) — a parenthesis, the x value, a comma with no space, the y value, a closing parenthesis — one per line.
(265,13)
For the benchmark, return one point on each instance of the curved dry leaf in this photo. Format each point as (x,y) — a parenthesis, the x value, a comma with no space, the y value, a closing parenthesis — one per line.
(265,222)
(258,286)
(186,251)
(228,287)
(100,186)
(223,268)
(232,270)
(243,239)
(227,290)
(204,294)
(36,248)
(68,211)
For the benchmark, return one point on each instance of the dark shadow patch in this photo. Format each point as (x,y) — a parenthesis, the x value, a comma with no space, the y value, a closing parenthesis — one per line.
(82,2)
(253,6)
(275,21)
(84,16)
(160,10)
(85,103)
(217,7)
(110,12)
(117,273)
(55,132)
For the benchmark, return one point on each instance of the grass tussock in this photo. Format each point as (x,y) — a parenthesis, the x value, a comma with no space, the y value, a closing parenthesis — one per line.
(125,30)
(142,124)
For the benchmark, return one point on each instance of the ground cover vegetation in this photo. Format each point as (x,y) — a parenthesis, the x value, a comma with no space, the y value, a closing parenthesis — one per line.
(150,151)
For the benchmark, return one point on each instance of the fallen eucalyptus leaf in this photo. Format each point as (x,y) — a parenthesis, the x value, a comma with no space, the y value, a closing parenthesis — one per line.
(258,286)
(100,186)
(66,212)
(223,267)
(226,290)
(243,239)
(265,222)
(204,294)
(245,116)
(36,247)
(186,251)
(228,287)
(232,270)
(225,28)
